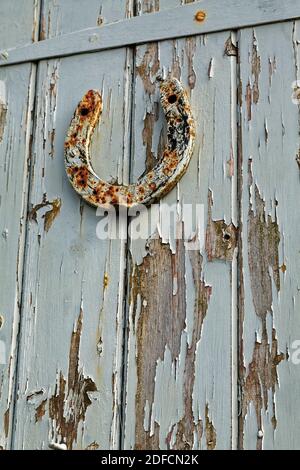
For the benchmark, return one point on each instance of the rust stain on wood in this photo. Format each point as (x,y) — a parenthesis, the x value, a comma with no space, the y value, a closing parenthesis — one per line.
(40,410)
(256,69)
(42,35)
(46,25)
(50,215)
(105,280)
(6,422)
(230,164)
(3,113)
(68,404)
(149,67)
(221,239)
(239,93)
(210,432)
(190,49)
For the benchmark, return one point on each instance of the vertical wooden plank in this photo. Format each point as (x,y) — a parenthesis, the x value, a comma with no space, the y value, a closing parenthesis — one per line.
(72,329)
(16,102)
(269,281)
(182,293)
(19,29)
(65,16)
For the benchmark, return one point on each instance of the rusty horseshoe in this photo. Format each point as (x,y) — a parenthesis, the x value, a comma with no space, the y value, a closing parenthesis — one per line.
(151,186)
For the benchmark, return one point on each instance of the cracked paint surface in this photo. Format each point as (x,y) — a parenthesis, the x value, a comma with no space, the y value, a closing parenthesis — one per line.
(178,370)
(69,403)
(16,102)
(58,259)
(3,112)
(269,264)
(160,327)
(221,238)
(170,302)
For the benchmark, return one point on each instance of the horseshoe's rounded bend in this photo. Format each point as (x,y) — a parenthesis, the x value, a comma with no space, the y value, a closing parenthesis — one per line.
(151,186)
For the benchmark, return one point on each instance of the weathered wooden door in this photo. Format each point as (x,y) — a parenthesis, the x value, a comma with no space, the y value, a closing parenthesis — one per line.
(151,342)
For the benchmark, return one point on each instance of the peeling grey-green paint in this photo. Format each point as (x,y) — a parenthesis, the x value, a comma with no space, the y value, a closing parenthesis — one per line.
(192,402)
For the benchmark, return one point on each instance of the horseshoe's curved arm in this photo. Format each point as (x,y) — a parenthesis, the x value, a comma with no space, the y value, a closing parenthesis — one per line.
(149,187)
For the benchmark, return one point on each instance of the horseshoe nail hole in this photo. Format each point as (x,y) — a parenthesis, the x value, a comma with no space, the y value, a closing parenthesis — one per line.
(1,321)
(172,99)
(84,111)
(226,237)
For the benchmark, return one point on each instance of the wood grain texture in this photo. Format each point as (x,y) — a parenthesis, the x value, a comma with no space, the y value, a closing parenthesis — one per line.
(16,105)
(269,246)
(189,20)
(179,364)
(153,342)
(72,325)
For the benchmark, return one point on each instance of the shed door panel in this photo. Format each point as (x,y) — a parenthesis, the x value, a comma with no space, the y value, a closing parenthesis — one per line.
(269,294)
(151,342)
(72,324)
(16,102)
(182,299)
(16,107)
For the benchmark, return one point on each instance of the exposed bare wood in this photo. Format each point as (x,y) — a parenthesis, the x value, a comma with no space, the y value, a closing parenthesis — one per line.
(269,264)
(17,88)
(67,267)
(220,237)
(173,290)
(73,393)
(189,336)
